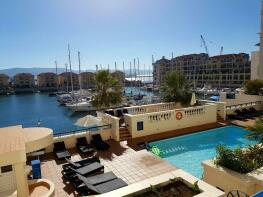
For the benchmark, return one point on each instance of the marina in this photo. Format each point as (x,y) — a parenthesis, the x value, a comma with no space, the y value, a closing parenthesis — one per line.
(40,109)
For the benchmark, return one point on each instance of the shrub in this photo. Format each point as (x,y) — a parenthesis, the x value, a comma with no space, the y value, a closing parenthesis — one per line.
(196,188)
(256,131)
(240,160)
(254,87)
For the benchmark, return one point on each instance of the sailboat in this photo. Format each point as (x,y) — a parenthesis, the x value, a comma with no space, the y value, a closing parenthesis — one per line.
(82,103)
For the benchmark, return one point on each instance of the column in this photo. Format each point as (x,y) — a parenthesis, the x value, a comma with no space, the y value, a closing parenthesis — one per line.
(21,180)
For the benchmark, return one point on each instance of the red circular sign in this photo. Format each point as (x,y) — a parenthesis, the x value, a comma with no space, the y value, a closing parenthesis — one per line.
(179,115)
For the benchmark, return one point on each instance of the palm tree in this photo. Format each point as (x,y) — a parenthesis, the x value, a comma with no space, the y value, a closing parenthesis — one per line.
(108,90)
(176,89)
(256,131)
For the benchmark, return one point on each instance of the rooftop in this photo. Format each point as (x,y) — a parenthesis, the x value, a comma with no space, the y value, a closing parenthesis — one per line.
(11,140)
(16,141)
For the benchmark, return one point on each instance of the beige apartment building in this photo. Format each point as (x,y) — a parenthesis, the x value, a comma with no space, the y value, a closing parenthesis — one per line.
(160,69)
(257,56)
(64,81)
(4,83)
(222,71)
(87,80)
(47,81)
(24,82)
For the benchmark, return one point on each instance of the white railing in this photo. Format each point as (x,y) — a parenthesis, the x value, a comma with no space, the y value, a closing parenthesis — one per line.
(151,108)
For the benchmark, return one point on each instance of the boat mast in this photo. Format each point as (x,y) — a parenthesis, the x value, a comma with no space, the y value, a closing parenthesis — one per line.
(131,77)
(139,85)
(67,75)
(123,74)
(152,69)
(135,77)
(80,81)
(144,76)
(56,72)
(71,79)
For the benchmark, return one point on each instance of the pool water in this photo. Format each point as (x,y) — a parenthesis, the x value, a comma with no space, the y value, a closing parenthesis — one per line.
(187,152)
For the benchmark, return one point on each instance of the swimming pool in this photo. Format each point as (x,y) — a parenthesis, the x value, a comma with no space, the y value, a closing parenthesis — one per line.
(187,152)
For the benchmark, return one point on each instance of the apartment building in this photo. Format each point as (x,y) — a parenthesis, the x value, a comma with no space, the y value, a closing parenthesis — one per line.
(160,69)
(64,81)
(47,81)
(87,80)
(230,70)
(24,82)
(4,83)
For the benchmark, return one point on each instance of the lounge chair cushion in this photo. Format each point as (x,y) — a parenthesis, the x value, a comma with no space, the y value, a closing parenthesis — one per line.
(80,163)
(99,143)
(86,149)
(107,186)
(82,141)
(74,164)
(89,169)
(62,154)
(59,146)
(98,179)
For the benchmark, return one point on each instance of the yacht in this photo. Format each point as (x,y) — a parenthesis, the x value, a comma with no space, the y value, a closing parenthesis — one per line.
(64,98)
(83,105)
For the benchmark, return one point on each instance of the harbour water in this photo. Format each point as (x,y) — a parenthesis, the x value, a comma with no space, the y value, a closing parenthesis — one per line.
(39,109)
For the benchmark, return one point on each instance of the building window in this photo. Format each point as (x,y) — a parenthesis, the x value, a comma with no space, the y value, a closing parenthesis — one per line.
(139,125)
(6,168)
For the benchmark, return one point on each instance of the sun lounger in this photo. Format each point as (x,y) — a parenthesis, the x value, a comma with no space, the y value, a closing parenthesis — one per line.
(98,179)
(88,169)
(84,171)
(104,187)
(99,143)
(83,146)
(247,113)
(60,150)
(241,115)
(125,111)
(79,164)
(254,111)
(119,113)
(93,180)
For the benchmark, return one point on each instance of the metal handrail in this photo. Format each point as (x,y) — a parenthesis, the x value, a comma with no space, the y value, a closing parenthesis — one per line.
(102,127)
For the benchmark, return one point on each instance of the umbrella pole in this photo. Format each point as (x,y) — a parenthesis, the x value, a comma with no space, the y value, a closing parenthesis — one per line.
(89,137)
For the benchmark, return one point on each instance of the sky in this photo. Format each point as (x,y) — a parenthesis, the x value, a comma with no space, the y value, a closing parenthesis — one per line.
(35,33)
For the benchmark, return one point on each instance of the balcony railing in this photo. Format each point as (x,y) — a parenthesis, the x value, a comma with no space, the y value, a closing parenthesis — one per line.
(88,129)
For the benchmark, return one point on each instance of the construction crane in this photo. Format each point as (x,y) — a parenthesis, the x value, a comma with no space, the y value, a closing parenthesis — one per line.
(206,48)
(204,44)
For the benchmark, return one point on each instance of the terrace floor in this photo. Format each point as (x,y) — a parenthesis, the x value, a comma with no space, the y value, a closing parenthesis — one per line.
(245,123)
(127,164)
